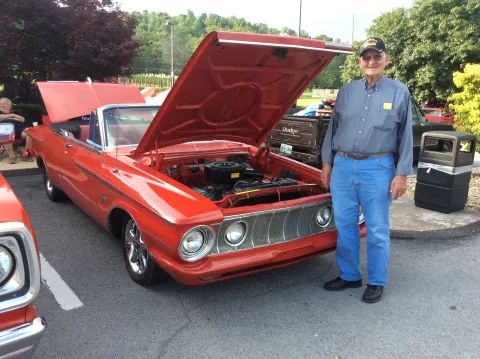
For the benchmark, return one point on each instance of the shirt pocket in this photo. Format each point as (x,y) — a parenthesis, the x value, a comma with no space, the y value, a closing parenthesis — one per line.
(385,120)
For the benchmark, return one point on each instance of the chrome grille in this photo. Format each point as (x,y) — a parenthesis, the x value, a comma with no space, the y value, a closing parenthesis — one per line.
(271,227)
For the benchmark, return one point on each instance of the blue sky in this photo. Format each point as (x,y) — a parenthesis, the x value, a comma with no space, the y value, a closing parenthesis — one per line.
(333,18)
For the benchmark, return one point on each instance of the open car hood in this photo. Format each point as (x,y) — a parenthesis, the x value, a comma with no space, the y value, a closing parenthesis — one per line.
(66,100)
(237,87)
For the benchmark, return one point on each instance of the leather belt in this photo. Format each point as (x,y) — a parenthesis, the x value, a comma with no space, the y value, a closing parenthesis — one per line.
(365,156)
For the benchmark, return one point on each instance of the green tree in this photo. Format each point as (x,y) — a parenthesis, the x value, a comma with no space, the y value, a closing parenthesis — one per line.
(430,41)
(62,40)
(350,70)
(466,103)
(330,76)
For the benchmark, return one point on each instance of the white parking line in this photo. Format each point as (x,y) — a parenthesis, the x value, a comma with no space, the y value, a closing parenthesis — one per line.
(60,290)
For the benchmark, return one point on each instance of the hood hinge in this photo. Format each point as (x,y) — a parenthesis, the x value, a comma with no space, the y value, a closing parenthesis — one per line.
(263,154)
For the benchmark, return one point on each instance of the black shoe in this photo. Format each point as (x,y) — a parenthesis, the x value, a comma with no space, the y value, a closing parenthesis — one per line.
(373,293)
(340,284)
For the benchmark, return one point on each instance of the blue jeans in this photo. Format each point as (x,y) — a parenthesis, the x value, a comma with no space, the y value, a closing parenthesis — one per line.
(364,183)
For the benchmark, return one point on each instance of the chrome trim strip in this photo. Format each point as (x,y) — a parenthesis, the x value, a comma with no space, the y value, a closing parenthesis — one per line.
(18,228)
(283,45)
(298,233)
(251,237)
(269,225)
(284,224)
(115,189)
(445,169)
(20,342)
(340,46)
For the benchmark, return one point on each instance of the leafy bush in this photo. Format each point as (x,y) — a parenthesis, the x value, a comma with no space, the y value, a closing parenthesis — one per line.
(466,103)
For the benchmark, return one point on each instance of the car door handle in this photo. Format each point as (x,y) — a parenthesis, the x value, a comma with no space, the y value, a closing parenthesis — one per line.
(68,145)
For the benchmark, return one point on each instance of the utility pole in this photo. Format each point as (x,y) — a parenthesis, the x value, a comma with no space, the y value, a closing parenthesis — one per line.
(353,27)
(300,19)
(171,50)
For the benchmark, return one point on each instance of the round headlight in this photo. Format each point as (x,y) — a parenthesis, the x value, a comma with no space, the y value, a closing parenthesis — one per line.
(193,241)
(6,264)
(235,233)
(196,243)
(324,216)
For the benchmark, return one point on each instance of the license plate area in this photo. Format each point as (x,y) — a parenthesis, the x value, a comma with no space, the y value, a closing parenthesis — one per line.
(286,149)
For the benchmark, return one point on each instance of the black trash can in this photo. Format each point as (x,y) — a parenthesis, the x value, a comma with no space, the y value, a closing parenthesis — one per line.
(444,170)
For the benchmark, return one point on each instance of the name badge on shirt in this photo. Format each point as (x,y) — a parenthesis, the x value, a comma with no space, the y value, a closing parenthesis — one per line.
(387,106)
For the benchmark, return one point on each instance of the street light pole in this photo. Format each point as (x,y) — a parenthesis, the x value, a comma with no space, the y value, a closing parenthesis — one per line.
(353,28)
(171,51)
(300,19)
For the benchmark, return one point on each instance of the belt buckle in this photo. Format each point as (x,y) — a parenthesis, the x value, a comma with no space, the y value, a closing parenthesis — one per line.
(357,157)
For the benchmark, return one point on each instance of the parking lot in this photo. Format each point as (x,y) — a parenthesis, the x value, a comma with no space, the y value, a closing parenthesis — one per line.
(94,309)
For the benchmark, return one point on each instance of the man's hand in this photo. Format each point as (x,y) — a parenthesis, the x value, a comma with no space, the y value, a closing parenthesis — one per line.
(18,118)
(398,186)
(326,174)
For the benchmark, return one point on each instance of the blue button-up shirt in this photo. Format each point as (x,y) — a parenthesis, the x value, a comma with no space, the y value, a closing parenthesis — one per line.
(368,120)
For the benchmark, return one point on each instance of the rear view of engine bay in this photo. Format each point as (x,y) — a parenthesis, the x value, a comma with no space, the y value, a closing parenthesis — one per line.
(242,179)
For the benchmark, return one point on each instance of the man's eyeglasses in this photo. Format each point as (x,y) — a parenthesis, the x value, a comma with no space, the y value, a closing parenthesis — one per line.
(368,58)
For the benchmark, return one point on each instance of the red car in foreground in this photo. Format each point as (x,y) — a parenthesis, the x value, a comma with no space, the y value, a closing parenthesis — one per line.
(191,188)
(20,328)
(438,114)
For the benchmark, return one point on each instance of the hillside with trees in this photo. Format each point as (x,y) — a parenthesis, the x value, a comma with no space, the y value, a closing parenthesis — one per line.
(154,32)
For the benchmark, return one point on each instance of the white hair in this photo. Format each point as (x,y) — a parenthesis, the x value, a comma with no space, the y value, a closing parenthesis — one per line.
(8,101)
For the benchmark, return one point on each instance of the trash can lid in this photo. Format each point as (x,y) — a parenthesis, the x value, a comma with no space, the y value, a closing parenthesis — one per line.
(450,135)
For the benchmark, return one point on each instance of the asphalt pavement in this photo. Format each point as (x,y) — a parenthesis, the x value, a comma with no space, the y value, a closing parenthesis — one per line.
(429,309)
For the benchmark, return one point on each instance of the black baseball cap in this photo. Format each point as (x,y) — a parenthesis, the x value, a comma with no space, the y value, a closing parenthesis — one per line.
(374,43)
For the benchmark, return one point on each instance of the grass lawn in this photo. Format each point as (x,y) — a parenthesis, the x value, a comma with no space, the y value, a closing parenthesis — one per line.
(306,99)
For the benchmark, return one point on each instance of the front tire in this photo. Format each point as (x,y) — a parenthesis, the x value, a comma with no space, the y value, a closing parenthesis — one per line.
(140,266)
(53,193)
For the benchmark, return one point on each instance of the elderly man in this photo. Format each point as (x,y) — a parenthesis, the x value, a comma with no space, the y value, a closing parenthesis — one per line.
(371,125)
(19,123)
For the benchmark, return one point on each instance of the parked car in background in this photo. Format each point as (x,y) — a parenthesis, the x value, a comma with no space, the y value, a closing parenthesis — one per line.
(302,138)
(306,112)
(190,189)
(438,114)
(315,106)
(20,328)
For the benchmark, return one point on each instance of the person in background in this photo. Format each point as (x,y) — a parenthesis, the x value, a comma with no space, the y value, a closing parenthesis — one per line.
(371,124)
(6,116)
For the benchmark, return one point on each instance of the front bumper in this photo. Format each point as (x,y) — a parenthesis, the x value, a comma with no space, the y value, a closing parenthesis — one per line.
(20,342)
(245,262)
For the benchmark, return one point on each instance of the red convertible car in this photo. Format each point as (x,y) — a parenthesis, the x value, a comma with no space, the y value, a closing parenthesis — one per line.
(191,188)
(20,328)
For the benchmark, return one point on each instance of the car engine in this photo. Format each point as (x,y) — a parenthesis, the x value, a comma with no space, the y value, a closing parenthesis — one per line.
(231,177)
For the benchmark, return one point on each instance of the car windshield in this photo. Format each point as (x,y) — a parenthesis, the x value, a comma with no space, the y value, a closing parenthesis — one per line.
(125,126)
(432,112)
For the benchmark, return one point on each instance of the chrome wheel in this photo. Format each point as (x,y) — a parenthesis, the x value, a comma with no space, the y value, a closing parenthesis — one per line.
(49,185)
(52,192)
(136,250)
